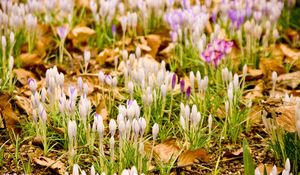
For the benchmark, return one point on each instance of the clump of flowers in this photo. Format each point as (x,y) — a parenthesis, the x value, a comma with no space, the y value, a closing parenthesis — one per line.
(216,50)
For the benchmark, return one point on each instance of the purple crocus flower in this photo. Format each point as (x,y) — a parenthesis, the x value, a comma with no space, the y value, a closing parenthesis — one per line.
(216,50)
(182,85)
(174,80)
(114,30)
(62,32)
(188,92)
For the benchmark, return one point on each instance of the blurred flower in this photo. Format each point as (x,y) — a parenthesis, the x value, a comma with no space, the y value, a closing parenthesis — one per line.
(216,50)
(62,32)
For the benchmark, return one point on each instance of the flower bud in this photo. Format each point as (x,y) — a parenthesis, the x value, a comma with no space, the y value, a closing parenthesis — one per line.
(11,38)
(155,130)
(87,57)
(174,80)
(230,92)
(72,129)
(182,122)
(188,92)
(3,42)
(76,169)
(163,89)
(112,127)
(101,76)
(32,85)
(93,171)
(143,124)
(182,85)
(138,52)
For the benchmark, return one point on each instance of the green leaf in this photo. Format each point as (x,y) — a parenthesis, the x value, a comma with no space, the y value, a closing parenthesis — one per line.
(248,161)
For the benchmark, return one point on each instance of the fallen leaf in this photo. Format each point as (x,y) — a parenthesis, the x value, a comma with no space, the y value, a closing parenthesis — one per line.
(167,150)
(24,103)
(102,110)
(57,165)
(257,92)
(23,75)
(254,74)
(28,59)
(166,52)
(153,42)
(255,114)
(290,79)
(286,117)
(289,52)
(269,65)
(261,168)
(189,157)
(7,112)
(237,153)
(81,33)
(107,56)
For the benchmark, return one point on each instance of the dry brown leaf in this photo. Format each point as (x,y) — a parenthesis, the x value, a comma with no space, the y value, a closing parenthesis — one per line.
(189,157)
(102,110)
(286,117)
(167,51)
(107,55)
(24,103)
(269,167)
(28,59)
(23,75)
(290,79)
(269,65)
(254,74)
(57,166)
(167,150)
(289,52)
(153,42)
(255,114)
(82,32)
(237,153)
(257,92)
(7,112)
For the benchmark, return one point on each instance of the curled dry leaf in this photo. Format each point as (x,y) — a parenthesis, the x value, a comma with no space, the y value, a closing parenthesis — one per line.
(289,52)
(153,42)
(24,103)
(102,110)
(286,117)
(269,65)
(269,167)
(28,59)
(57,165)
(290,79)
(7,113)
(23,75)
(237,153)
(189,157)
(107,56)
(255,114)
(167,150)
(257,92)
(81,33)
(254,74)
(167,51)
